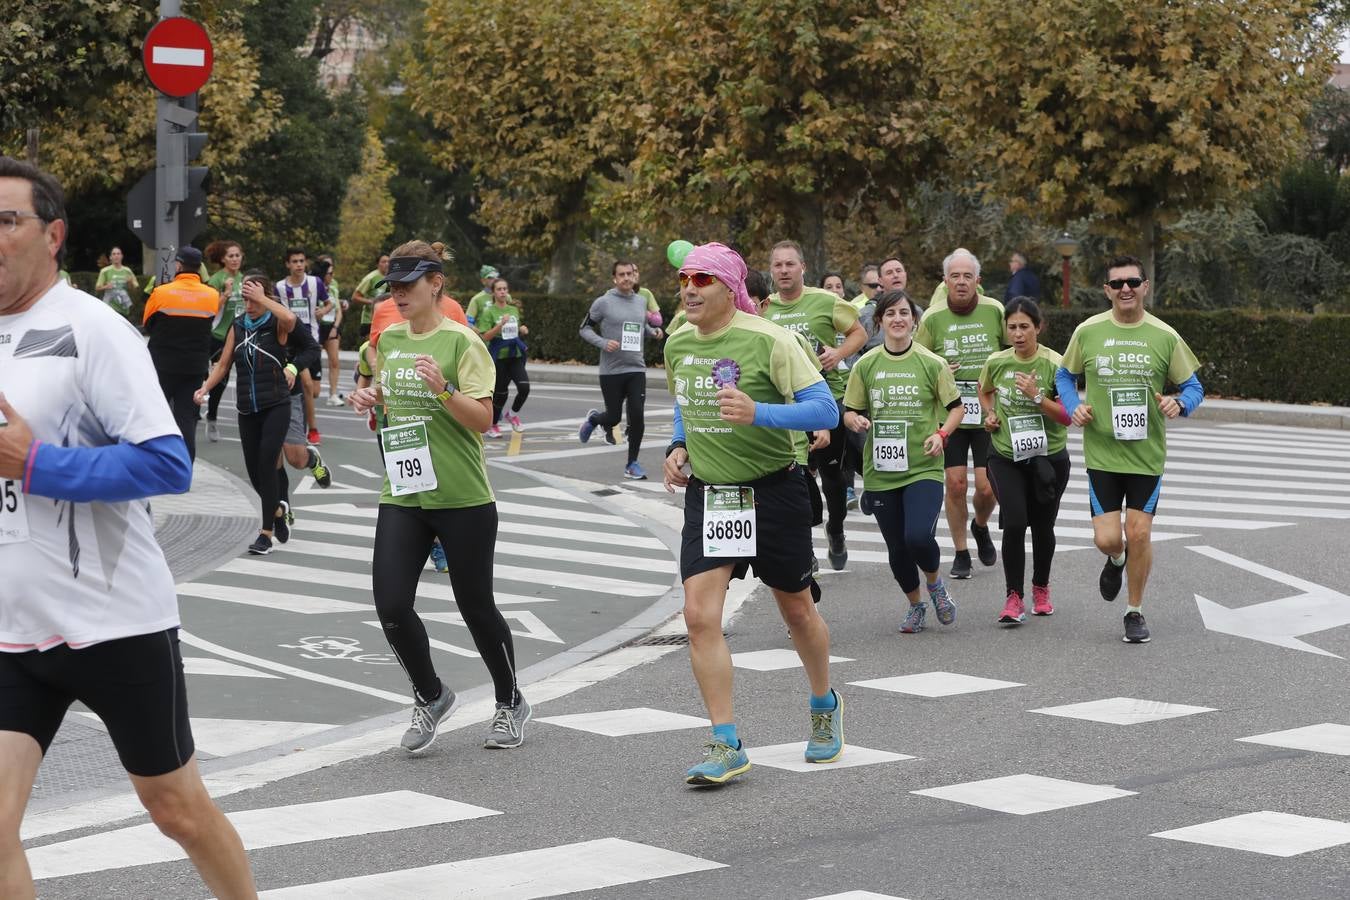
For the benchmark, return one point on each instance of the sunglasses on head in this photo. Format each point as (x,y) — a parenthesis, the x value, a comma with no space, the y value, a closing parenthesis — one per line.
(699,279)
(1117,283)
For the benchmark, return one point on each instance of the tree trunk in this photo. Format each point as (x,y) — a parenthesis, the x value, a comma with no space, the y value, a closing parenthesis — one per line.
(808,217)
(1148,246)
(32,146)
(562,265)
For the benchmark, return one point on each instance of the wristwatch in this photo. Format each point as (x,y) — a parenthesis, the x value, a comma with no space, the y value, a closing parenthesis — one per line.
(1039,398)
(447,393)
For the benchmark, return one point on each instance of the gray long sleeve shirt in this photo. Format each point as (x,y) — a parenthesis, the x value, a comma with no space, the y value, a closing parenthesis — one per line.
(623,318)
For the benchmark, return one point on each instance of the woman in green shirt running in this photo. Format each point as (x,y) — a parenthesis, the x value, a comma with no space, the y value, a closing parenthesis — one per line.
(228,257)
(903,397)
(113,281)
(434,379)
(503,331)
(1029,462)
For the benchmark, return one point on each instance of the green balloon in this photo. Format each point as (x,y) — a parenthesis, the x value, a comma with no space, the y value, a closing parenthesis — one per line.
(677,251)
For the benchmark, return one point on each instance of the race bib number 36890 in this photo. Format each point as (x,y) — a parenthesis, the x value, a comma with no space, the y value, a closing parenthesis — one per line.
(728,521)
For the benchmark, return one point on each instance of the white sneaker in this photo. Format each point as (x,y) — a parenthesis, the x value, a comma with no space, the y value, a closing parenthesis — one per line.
(336,400)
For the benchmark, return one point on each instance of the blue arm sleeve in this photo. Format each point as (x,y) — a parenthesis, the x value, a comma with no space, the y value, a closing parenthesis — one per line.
(110,474)
(814,409)
(1066,385)
(679,425)
(1192,395)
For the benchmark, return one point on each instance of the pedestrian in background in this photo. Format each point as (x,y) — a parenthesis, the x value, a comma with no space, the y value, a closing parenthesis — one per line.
(178,318)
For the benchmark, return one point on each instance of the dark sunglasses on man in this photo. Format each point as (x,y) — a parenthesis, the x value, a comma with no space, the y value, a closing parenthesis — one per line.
(1116,284)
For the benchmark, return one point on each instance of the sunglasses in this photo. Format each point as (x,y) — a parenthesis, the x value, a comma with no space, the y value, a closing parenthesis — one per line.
(699,279)
(1116,284)
(871,285)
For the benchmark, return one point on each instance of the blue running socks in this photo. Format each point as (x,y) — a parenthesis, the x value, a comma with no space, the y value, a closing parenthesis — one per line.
(727,735)
(823,703)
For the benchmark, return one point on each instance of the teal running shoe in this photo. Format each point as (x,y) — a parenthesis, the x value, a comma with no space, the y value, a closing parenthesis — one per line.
(913,621)
(827,733)
(721,763)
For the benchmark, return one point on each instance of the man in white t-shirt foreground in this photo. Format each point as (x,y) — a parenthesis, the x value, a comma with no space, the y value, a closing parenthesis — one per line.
(88,611)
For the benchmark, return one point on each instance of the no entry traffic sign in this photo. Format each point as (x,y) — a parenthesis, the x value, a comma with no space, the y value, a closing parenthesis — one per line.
(177,56)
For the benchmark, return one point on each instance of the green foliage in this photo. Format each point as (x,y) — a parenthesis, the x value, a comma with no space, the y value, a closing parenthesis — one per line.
(1310,198)
(367,217)
(1127,112)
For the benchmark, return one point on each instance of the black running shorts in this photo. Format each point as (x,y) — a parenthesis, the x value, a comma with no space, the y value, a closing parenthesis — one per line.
(1109,491)
(783,533)
(973,442)
(135,685)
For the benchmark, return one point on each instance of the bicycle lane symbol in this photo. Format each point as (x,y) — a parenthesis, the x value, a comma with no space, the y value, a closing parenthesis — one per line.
(328,647)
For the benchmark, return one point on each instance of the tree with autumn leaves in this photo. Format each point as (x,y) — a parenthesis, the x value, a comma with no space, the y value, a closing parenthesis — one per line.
(790,117)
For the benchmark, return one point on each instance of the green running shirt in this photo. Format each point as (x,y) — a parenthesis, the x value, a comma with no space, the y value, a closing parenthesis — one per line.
(1125,365)
(774,367)
(819,316)
(966,339)
(456,451)
(1000,376)
(905,395)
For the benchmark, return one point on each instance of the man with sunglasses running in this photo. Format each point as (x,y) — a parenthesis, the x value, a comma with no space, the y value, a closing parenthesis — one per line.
(1126,355)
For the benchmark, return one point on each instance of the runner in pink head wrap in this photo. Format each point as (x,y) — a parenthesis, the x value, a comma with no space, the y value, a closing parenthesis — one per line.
(720,260)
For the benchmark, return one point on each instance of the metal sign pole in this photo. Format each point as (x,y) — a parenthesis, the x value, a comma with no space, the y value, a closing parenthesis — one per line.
(168,171)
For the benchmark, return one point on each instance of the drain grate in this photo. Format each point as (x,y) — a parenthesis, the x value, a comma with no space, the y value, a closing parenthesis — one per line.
(666,640)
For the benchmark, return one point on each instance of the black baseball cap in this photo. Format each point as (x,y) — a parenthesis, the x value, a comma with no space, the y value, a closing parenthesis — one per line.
(190,257)
(407,269)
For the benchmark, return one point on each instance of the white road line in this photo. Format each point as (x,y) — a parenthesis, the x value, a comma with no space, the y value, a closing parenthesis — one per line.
(258,662)
(589,536)
(548,872)
(205,665)
(566,515)
(277,826)
(439,645)
(568,554)
(282,601)
(531,626)
(547,493)
(598,583)
(365,473)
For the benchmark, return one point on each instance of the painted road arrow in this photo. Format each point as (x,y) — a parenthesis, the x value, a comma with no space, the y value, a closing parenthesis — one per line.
(1279,622)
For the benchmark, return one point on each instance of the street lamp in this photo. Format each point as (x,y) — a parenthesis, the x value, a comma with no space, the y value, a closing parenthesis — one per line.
(1066,245)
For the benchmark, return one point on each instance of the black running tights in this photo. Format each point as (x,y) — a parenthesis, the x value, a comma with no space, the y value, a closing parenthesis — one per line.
(261,435)
(630,388)
(403,536)
(508,371)
(1019,509)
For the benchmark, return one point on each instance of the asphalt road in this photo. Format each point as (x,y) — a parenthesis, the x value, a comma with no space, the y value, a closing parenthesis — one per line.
(1209,763)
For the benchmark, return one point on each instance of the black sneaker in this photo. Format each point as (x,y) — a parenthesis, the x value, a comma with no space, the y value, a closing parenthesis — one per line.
(961,564)
(984,543)
(1110,579)
(1136,632)
(281,525)
(609,436)
(262,546)
(838,551)
(323,477)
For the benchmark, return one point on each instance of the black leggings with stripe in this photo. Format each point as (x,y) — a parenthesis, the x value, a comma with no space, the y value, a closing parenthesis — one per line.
(403,536)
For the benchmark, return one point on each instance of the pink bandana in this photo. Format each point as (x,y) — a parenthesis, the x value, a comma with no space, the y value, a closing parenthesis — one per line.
(727,265)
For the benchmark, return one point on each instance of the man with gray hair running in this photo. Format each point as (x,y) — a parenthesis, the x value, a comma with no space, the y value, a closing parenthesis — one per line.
(964,330)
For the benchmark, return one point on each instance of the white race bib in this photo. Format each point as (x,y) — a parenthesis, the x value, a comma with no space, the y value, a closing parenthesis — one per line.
(632,336)
(407,459)
(13,516)
(510,329)
(1027,434)
(970,402)
(890,446)
(728,521)
(1129,413)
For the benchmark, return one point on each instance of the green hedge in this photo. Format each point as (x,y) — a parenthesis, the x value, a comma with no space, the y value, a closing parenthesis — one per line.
(1284,357)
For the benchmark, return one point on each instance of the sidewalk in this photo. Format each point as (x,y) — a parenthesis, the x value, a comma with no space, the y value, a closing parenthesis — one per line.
(1255,412)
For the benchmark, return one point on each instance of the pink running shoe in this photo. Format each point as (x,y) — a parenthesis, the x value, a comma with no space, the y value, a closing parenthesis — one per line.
(1040,597)
(493,432)
(1014,612)
(513,420)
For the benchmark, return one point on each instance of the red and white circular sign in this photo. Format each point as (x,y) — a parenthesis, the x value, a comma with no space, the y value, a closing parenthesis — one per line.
(177,56)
